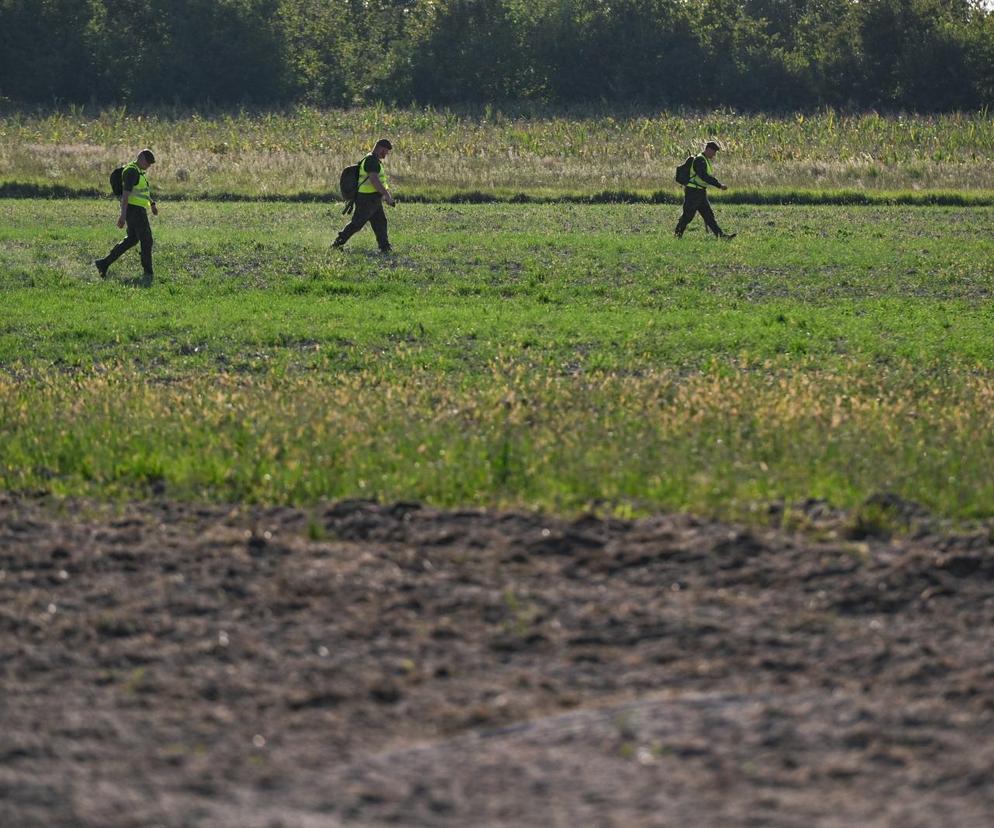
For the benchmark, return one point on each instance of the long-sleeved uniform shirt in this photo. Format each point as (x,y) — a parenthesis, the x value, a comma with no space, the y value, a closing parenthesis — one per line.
(701,170)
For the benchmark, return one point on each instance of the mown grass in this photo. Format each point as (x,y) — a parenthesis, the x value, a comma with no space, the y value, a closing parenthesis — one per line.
(442,153)
(551,356)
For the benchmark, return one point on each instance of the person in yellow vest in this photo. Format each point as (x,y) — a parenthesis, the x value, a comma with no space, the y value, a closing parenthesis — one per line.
(695,193)
(136,199)
(374,189)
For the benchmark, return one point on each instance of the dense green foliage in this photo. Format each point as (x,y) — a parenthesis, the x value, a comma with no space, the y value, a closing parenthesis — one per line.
(924,55)
(555,356)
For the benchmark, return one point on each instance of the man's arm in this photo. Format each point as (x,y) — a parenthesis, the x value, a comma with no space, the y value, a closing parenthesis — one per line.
(701,169)
(125,195)
(128,181)
(374,179)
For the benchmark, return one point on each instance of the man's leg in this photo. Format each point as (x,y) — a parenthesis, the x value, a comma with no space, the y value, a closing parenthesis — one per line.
(691,199)
(378,221)
(122,246)
(364,208)
(144,232)
(708,215)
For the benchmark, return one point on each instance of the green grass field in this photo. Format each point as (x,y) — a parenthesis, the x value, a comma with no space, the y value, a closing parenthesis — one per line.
(563,357)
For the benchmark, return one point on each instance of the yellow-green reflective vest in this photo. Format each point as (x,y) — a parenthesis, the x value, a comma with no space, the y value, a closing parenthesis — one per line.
(694,180)
(366,186)
(141,193)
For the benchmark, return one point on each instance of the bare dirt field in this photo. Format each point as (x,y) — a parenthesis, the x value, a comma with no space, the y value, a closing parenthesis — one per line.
(172,665)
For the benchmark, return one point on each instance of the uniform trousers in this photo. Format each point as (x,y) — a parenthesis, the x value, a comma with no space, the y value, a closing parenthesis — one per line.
(139,232)
(368,208)
(695,200)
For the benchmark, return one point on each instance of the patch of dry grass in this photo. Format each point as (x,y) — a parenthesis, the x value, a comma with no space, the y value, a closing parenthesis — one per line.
(439,152)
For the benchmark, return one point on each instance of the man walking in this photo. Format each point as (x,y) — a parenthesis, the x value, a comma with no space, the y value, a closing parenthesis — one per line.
(374,189)
(695,193)
(136,199)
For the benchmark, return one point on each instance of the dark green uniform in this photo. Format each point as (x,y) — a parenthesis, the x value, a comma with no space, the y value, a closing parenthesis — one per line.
(695,197)
(136,220)
(368,206)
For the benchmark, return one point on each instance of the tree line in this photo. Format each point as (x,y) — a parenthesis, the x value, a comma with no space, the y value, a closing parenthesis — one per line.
(750,55)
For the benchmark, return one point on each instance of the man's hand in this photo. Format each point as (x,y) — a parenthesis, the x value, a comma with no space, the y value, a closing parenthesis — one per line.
(124,207)
(155,210)
(389,200)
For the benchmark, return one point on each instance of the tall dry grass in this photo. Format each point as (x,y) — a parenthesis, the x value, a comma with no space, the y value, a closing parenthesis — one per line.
(439,151)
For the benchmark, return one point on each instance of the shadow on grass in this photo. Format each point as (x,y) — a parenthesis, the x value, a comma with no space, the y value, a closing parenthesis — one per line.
(13,189)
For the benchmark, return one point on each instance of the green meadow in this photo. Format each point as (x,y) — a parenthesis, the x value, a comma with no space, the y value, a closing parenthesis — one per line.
(554,356)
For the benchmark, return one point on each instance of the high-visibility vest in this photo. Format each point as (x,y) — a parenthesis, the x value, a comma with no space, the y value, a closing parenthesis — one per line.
(141,193)
(694,180)
(366,186)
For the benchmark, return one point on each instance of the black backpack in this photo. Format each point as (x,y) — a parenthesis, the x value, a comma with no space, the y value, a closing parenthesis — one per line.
(116,182)
(685,171)
(349,184)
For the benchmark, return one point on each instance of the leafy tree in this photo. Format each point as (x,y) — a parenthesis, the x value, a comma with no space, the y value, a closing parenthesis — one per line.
(322,47)
(914,54)
(926,55)
(43,55)
(471,54)
(187,51)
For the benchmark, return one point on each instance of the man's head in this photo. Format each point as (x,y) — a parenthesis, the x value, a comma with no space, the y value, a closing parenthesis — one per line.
(710,148)
(383,146)
(145,159)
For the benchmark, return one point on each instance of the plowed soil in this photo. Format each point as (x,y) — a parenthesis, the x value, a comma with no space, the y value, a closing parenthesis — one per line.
(171,665)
